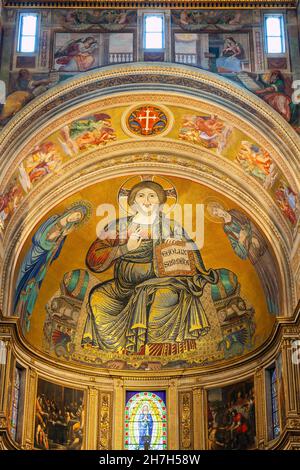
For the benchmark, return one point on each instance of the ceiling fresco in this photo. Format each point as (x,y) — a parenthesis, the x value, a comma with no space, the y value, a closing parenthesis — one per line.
(140,229)
(146,272)
(206,128)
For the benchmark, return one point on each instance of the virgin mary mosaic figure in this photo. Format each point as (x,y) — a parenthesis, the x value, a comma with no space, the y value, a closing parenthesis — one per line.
(142,309)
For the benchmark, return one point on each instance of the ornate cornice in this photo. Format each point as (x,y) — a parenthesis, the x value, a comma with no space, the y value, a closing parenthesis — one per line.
(83,374)
(151,4)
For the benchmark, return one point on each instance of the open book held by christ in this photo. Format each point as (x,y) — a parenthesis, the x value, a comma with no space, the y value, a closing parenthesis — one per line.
(175,259)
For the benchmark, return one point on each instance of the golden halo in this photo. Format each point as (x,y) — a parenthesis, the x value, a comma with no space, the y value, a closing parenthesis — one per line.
(80,205)
(166,184)
(211,201)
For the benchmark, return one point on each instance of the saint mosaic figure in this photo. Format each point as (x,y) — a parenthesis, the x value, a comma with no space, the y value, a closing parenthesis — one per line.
(248,243)
(142,306)
(45,248)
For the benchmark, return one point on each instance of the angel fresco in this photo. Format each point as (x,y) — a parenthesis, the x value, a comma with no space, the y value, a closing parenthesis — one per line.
(42,160)
(77,55)
(232,54)
(257,162)
(86,133)
(248,243)
(287,201)
(46,246)
(9,201)
(140,305)
(208,131)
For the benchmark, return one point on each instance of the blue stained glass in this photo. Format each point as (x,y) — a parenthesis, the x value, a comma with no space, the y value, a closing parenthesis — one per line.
(145,420)
(274,403)
(15,403)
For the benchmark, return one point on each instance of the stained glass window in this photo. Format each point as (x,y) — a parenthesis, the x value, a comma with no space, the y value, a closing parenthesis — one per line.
(274,403)
(2,353)
(15,403)
(145,421)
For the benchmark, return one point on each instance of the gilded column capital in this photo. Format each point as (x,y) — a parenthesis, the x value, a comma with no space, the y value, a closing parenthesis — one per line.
(27,446)
(4,330)
(3,422)
(293,423)
(293,331)
(198,391)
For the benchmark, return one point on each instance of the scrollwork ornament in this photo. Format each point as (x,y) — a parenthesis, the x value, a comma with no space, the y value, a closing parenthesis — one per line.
(261,445)
(292,331)
(293,423)
(186,423)
(105,421)
(5,330)
(27,446)
(3,422)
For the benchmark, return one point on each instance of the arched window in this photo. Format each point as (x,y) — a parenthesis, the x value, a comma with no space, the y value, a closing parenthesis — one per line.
(145,421)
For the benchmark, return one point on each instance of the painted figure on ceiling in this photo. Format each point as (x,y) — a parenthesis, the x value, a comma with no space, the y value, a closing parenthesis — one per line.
(232,54)
(274,93)
(248,243)
(25,89)
(141,306)
(257,162)
(46,246)
(77,55)
(288,202)
(9,201)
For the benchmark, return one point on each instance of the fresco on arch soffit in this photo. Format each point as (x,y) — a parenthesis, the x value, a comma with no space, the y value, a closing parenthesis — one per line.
(142,287)
(212,131)
(233,48)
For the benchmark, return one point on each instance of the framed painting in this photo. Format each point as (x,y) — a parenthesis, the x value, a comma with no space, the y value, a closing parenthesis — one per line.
(231,417)
(76,52)
(59,417)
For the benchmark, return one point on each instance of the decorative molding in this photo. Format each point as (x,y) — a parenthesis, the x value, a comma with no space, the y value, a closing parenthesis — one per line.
(105,421)
(293,423)
(67,373)
(292,331)
(186,420)
(141,4)
(205,84)
(27,446)
(3,422)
